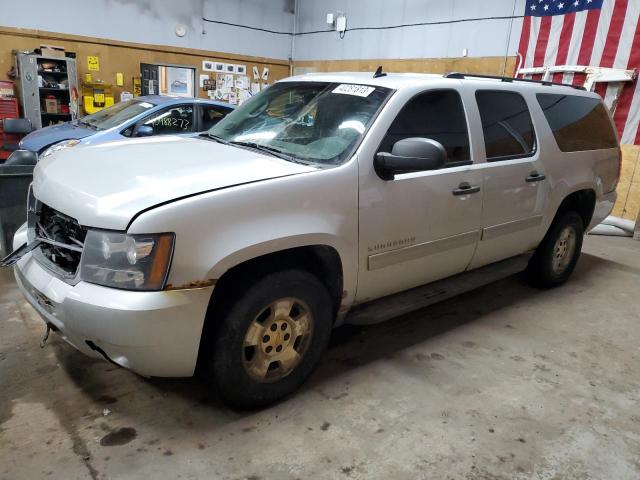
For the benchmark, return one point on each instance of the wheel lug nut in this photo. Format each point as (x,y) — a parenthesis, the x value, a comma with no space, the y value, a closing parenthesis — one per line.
(274,327)
(269,348)
(286,336)
(284,326)
(279,348)
(266,338)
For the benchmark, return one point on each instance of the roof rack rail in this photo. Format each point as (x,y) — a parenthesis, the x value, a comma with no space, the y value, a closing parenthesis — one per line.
(462,76)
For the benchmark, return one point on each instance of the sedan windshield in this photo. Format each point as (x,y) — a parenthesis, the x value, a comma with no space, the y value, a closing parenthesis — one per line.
(116,114)
(316,122)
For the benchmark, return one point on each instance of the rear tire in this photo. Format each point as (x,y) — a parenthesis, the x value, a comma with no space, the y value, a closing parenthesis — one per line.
(270,338)
(557,255)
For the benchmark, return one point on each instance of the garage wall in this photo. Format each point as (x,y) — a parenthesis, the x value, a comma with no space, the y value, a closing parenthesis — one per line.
(125,57)
(474,27)
(154,22)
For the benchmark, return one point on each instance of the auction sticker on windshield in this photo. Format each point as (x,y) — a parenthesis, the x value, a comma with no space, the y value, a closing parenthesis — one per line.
(357,90)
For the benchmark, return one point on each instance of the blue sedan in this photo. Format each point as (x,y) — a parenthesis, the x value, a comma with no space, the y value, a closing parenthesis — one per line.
(139,117)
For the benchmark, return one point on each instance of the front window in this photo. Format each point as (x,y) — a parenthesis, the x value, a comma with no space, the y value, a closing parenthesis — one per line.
(116,114)
(315,122)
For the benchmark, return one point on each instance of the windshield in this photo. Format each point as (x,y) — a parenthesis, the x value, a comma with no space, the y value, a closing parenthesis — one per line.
(309,121)
(116,114)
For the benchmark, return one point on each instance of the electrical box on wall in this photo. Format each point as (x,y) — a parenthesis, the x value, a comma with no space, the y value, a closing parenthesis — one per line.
(341,24)
(330,19)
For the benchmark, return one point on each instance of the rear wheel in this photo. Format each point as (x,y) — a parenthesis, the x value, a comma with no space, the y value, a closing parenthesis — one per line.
(557,255)
(271,338)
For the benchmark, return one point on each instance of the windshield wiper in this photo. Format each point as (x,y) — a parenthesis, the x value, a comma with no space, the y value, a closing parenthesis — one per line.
(88,124)
(275,152)
(215,137)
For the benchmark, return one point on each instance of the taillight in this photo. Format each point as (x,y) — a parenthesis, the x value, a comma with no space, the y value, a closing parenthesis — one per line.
(619,165)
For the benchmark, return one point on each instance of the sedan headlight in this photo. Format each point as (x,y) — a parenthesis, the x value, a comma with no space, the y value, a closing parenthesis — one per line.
(60,146)
(131,262)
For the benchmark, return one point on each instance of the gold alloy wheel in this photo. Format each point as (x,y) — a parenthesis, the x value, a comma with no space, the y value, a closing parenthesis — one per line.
(277,340)
(563,250)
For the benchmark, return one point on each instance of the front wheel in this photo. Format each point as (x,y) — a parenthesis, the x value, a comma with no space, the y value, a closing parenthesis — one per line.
(557,255)
(271,338)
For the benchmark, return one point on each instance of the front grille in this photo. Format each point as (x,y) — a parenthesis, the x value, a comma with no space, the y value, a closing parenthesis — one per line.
(61,238)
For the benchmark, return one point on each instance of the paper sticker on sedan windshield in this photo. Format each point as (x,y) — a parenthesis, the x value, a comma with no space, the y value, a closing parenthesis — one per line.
(357,90)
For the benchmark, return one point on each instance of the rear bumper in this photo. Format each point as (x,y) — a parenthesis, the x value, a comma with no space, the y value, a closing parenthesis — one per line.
(151,333)
(604,206)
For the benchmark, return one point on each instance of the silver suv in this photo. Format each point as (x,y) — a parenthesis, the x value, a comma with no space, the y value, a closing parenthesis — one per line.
(325,199)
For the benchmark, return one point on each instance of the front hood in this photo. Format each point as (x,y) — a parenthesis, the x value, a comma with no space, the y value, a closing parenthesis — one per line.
(44,137)
(107,184)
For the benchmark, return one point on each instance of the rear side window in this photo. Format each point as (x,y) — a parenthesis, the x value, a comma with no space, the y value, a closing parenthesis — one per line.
(438,115)
(578,123)
(506,125)
(210,115)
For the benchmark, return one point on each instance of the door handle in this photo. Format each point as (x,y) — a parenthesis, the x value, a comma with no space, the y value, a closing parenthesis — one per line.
(535,177)
(465,189)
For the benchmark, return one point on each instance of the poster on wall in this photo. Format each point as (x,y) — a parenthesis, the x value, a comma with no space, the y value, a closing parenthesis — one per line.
(178,81)
(93,63)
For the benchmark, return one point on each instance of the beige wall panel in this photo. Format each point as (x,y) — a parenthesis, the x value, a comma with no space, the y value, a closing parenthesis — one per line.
(125,57)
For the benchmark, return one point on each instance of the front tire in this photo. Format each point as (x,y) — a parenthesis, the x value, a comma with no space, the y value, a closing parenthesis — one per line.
(555,258)
(271,338)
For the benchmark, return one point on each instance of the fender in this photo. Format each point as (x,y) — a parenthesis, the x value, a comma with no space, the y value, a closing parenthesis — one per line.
(218,230)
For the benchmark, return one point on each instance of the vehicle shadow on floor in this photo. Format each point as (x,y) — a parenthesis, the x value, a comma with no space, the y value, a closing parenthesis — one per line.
(351,346)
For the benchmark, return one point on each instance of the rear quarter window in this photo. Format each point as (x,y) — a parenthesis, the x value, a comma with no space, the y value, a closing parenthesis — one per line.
(578,123)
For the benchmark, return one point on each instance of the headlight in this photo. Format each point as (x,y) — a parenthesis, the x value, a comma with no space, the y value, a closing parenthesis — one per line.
(131,262)
(59,146)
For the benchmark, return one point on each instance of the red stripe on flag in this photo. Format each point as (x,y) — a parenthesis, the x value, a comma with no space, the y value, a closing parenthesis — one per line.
(541,45)
(624,102)
(612,41)
(563,46)
(524,39)
(601,89)
(613,34)
(588,38)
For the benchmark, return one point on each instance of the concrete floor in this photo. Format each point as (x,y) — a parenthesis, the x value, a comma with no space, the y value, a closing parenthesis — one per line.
(504,382)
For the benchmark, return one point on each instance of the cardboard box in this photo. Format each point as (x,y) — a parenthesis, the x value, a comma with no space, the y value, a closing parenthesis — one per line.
(52,51)
(50,105)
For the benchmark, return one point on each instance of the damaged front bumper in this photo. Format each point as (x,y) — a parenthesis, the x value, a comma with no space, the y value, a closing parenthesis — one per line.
(151,333)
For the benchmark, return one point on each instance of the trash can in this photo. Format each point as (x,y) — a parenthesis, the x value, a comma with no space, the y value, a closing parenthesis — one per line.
(14,188)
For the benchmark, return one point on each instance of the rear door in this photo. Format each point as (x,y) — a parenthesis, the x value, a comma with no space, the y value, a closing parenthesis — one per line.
(513,178)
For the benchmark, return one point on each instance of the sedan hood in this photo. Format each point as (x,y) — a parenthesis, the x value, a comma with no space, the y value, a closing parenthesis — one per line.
(44,137)
(107,184)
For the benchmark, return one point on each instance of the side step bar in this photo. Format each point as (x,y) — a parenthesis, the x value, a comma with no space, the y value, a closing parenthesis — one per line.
(404,302)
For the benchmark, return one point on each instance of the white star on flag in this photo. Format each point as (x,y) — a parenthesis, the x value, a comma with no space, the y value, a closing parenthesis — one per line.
(546,7)
(561,5)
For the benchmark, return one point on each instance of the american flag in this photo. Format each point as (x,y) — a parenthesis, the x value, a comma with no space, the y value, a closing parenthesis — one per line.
(597,33)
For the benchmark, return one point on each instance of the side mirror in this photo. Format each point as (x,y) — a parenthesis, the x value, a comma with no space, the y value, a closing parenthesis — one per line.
(410,155)
(144,131)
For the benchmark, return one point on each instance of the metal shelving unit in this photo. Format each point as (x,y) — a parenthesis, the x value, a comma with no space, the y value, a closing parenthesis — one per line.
(52,71)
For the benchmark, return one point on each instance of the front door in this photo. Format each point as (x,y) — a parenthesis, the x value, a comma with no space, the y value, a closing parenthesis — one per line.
(149,79)
(514,182)
(422,226)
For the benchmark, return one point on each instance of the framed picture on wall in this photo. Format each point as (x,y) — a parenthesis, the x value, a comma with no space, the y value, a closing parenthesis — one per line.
(218,67)
(208,66)
(241,69)
(229,68)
